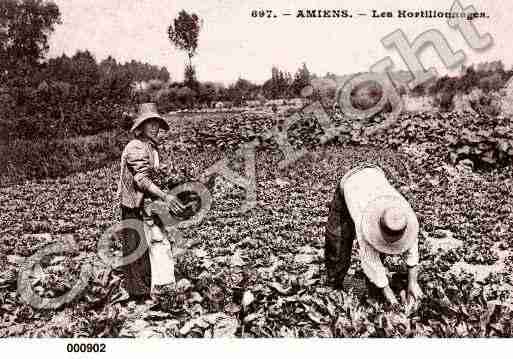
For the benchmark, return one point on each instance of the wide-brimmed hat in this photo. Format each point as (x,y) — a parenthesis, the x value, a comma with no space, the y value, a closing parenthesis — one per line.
(148,111)
(389,224)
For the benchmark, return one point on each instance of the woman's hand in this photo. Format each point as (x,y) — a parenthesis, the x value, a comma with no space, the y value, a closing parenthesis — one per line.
(174,204)
(414,291)
(390,296)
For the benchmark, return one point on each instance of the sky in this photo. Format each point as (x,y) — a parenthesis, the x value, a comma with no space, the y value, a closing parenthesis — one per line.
(233,44)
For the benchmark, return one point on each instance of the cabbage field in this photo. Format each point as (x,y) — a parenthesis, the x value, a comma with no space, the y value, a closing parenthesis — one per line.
(261,273)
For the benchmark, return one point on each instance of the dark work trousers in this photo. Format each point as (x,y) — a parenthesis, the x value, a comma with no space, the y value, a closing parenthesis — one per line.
(138,273)
(339,236)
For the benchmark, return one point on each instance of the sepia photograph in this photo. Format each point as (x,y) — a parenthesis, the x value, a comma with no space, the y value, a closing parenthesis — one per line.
(255,169)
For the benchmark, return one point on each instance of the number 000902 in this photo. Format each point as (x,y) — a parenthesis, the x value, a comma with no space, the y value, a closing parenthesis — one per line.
(85,348)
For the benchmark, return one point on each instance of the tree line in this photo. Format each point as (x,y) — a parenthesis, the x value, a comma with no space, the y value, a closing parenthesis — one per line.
(196,94)
(486,77)
(79,95)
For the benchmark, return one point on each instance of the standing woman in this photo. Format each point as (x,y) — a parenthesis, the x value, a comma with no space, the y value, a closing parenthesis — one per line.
(139,166)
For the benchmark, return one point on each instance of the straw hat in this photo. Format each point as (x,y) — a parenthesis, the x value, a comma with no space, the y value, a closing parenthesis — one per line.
(148,111)
(389,224)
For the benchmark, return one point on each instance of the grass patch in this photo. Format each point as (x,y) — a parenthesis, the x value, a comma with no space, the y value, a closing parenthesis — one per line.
(52,158)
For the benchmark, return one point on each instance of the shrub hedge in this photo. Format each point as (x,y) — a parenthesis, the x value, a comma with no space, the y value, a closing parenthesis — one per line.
(36,159)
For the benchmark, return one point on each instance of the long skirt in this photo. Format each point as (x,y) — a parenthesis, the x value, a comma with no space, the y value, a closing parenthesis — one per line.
(137,273)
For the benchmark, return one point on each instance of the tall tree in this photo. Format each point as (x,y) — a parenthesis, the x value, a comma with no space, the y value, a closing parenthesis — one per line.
(183,34)
(85,70)
(207,93)
(301,80)
(278,86)
(190,79)
(25,26)
(115,80)
(164,75)
(242,90)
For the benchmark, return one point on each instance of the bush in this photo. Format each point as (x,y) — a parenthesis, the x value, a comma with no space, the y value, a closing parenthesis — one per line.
(450,136)
(489,146)
(444,101)
(487,104)
(492,82)
(366,95)
(44,116)
(27,159)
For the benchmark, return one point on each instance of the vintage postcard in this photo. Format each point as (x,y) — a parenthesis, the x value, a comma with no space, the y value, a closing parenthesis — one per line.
(255,169)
